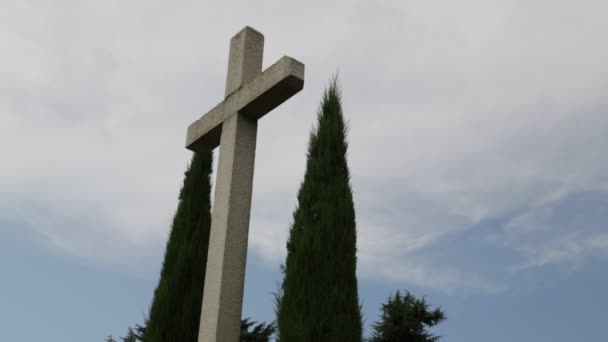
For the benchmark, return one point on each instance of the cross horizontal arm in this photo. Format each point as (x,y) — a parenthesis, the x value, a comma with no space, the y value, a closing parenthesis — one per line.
(272,87)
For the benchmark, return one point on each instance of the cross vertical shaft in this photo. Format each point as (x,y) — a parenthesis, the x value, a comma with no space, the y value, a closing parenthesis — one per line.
(226,261)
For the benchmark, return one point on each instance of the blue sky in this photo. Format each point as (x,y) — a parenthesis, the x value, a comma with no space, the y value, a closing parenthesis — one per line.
(477,136)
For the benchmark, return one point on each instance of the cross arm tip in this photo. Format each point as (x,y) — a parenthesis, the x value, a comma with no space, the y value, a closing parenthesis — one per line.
(250,33)
(248,28)
(293,67)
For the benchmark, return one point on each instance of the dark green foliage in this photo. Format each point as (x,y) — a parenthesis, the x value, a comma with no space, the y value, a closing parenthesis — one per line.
(406,319)
(260,332)
(131,337)
(176,306)
(110,339)
(319,299)
(137,334)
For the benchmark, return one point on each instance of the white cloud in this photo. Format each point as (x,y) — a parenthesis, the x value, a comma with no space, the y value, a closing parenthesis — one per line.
(459,112)
(565,231)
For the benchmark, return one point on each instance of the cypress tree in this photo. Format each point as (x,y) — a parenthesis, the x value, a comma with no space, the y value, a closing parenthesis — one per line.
(319,299)
(176,306)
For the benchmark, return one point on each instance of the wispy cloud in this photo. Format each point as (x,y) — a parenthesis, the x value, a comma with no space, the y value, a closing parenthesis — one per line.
(567,231)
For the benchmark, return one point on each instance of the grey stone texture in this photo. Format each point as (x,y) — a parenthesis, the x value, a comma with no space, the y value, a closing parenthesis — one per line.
(264,93)
(232,124)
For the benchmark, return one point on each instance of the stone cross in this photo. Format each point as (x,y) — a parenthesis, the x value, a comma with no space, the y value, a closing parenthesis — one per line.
(232,124)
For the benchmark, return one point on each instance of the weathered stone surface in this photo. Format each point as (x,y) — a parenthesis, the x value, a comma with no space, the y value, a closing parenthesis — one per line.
(232,124)
(244,59)
(274,86)
(226,261)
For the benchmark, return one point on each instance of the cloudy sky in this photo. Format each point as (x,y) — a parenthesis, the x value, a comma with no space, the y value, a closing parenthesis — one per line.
(476,138)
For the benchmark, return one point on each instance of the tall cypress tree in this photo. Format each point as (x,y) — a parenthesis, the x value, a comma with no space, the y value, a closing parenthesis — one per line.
(176,306)
(319,299)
